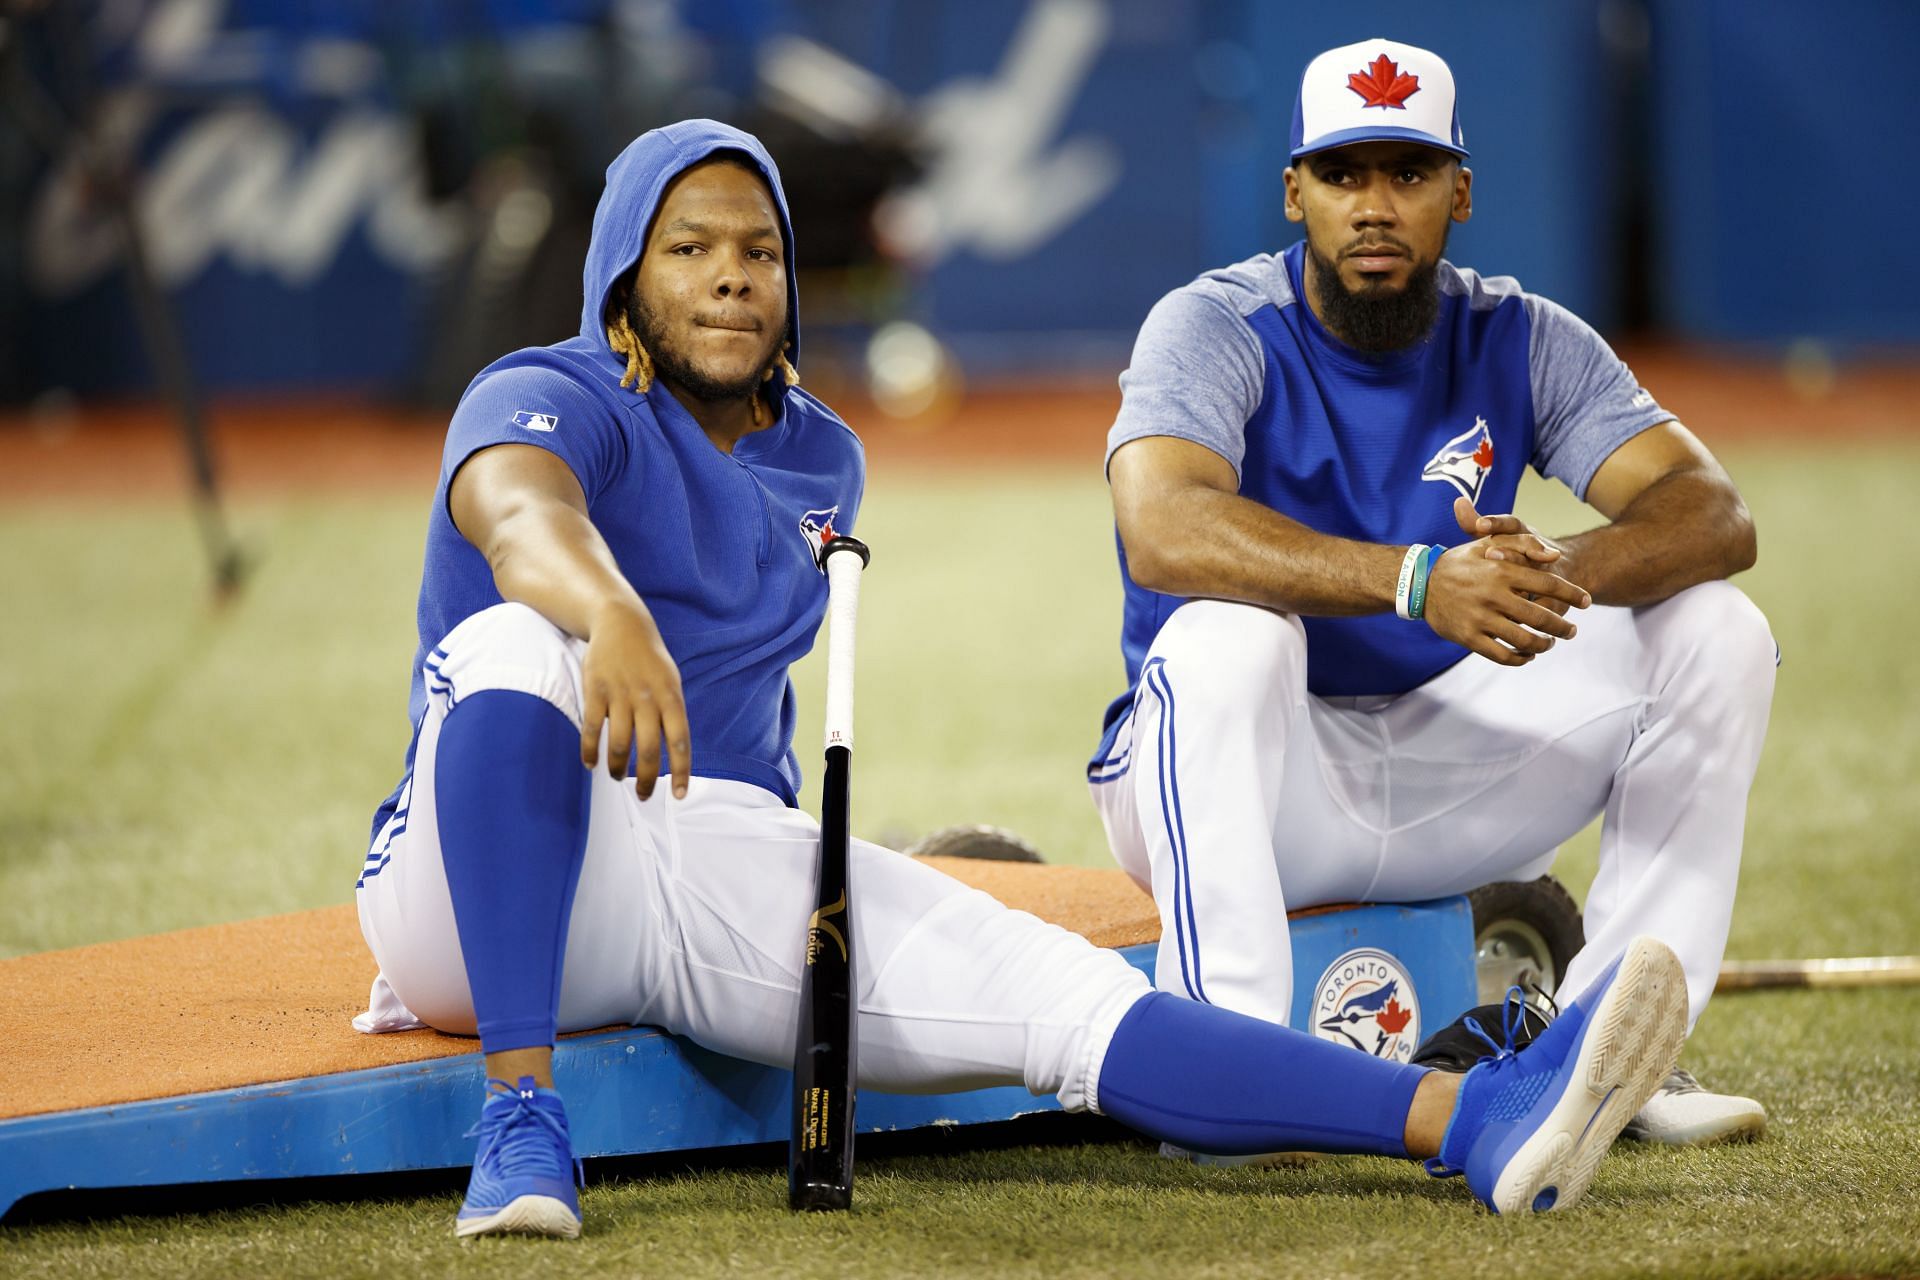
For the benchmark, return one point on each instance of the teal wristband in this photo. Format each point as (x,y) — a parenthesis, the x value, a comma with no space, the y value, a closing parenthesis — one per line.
(1417,593)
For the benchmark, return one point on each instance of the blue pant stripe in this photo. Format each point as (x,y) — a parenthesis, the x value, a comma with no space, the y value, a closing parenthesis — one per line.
(386,844)
(1111,770)
(382,855)
(439,681)
(1177,829)
(1120,764)
(1166,814)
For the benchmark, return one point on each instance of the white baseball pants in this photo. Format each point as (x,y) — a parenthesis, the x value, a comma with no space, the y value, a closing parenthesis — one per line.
(1235,795)
(690,915)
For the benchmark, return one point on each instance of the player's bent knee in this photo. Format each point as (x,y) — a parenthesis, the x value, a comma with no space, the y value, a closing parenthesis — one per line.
(1230,648)
(1720,617)
(508,647)
(509,630)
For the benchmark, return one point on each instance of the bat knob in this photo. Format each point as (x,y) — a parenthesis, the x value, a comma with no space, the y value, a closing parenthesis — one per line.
(843,542)
(819,1197)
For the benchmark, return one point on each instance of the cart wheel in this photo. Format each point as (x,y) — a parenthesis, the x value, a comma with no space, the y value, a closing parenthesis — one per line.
(990,844)
(1525,932)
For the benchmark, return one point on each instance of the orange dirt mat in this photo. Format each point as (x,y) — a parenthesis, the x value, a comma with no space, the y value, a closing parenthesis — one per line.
(292,444)
(270,1000)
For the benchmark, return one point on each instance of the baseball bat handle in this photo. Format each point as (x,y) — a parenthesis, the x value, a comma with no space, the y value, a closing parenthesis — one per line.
(843,558)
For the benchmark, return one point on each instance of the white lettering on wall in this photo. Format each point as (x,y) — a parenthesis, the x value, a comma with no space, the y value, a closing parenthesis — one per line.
(237,181)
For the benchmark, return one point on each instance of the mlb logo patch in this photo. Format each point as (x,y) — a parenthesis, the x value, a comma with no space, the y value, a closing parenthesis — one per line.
(536,421)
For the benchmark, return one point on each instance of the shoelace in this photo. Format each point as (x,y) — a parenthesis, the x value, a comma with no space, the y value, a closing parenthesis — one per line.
(1513,1019)
(1680,1080)
(519,1150)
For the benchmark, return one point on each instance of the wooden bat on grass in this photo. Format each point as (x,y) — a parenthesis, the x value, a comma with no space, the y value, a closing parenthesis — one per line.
(1838,971)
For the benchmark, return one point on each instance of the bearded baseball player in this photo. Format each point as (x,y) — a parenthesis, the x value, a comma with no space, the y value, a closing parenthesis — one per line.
(620,567)
(1353,676)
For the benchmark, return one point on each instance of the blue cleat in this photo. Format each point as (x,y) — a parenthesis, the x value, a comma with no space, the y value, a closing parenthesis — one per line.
(525,1170)
(1529,1128)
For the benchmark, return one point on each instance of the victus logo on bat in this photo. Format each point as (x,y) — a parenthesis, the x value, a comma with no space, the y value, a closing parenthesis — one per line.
(1366,1000)
(820,928)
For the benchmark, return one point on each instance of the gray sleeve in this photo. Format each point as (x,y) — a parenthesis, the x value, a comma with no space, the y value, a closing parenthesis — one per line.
(1586,402)
(1197,374)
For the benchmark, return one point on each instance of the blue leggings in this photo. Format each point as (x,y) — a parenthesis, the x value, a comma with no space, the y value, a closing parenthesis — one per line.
(1220,1082)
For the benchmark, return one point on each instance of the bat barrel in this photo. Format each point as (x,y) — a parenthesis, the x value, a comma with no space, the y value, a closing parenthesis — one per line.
(820,1153)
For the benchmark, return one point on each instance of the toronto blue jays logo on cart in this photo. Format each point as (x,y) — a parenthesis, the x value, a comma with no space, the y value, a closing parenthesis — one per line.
(817,528)
(1365,999)
(1464,461)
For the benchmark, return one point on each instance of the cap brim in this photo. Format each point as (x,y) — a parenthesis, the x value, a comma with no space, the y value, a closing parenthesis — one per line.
(1378,133)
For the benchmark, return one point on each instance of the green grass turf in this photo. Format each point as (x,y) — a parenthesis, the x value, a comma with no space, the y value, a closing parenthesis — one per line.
(163,766)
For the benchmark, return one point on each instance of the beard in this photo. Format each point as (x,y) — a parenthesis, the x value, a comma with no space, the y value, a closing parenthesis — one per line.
(1377,321)
(672,365)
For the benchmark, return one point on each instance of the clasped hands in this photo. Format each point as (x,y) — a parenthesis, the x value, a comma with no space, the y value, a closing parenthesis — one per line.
(1505,594)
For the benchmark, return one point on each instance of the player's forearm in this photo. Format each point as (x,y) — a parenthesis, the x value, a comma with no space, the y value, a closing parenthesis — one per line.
(1217,545)
(1686,528)
(550,558)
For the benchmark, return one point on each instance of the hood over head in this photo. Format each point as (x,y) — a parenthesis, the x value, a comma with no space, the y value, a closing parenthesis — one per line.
(636,181)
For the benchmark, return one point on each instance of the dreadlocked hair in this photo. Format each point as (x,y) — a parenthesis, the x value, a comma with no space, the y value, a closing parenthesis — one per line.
(623,340)
(762,411)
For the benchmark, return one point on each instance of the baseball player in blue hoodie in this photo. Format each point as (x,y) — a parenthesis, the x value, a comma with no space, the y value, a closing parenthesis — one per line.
(1352,676)
(597,823)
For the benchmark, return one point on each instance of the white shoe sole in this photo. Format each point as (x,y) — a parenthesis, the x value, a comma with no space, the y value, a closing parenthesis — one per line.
(1744,1124)
(1632,1042)
(524,1215)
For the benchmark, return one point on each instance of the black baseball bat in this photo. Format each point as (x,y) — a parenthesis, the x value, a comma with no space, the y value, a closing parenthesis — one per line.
(826,1050)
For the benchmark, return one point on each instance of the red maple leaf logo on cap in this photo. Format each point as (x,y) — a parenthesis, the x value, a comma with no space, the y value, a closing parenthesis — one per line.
(1384,85)
(1393,1019)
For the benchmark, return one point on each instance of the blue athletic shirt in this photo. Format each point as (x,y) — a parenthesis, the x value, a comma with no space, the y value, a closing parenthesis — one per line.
(719,546)
(1374,448)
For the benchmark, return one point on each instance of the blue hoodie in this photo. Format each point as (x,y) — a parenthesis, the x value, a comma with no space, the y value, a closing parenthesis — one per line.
(719,546)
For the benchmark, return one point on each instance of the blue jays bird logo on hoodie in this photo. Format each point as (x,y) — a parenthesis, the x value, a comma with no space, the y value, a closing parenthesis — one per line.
(817,528)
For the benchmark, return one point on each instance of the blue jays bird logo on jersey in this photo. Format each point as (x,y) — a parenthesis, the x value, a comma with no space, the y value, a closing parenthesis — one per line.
(1464,461)
(817,528)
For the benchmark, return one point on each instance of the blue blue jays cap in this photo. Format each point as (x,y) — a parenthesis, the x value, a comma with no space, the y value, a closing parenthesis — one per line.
(1377,90)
